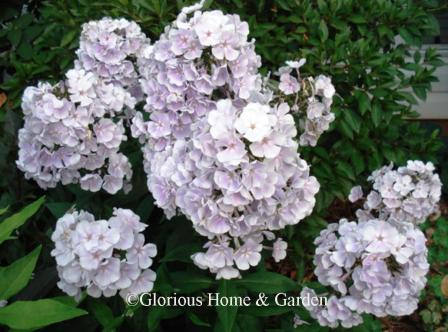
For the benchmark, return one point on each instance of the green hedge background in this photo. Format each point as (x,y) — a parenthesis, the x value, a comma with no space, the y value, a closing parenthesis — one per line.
(378,83)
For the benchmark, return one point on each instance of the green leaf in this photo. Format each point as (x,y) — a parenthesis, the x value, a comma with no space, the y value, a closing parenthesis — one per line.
(358,162)
(249,323)
(322,6)
(419,92)
(24,315)
(409,97)
(24,20)
(284,5)
(266,311)
(353,119)
(323,30)
(363,101)
(390,153)
(67,300)
(356,18)
(226,314)
(15,277)
(406,35)
(14,36)
(8,225)
(346,129)
(25,51)
(31,33)
(196,320)
(4,210)
(370,324)
(68,37)
(181,253)
(266,282)
(346,169)
(156,314)
(376,114)
(190,282)
(417,56)
(58,209)
(101,311)
(426,316)
(145,208)
(163,284)
(375,159)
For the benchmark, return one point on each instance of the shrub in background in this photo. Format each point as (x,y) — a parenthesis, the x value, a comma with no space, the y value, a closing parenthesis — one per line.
(378,82)
(377,79)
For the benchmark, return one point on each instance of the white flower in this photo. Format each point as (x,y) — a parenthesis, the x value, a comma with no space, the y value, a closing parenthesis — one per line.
(69,289)
(200,260)
(401,252)
(128,273)
(91,182)
(373,200)
(254,123)
(89,260)
(141,253)
(221,119)
(108,272)
(87,235)
(219,255)
(227,273)
(112,184)
(226,49)
(232,151)
(209,27)
(323,85)
(144,283)
(104,130)
(297,321)
(355,194)
(266,148)
(279,250)
(80,86)
(296,64)
(288,84)
(248,255)
(379,235)
(126,223)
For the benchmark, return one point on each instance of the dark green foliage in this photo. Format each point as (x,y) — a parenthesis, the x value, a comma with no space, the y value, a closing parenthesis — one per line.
(378,82)
(434,309)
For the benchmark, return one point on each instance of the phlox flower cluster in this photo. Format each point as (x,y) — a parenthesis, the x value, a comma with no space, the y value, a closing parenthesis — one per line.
(408,194)
(218,147)
(109,48)
(375,267)
(103,256)
(378,264)
(334,313)
(311,99)
(73,130)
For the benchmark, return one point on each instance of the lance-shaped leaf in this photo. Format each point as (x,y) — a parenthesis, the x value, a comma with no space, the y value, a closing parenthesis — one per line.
(8,225)
(24,315)
(14,277)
